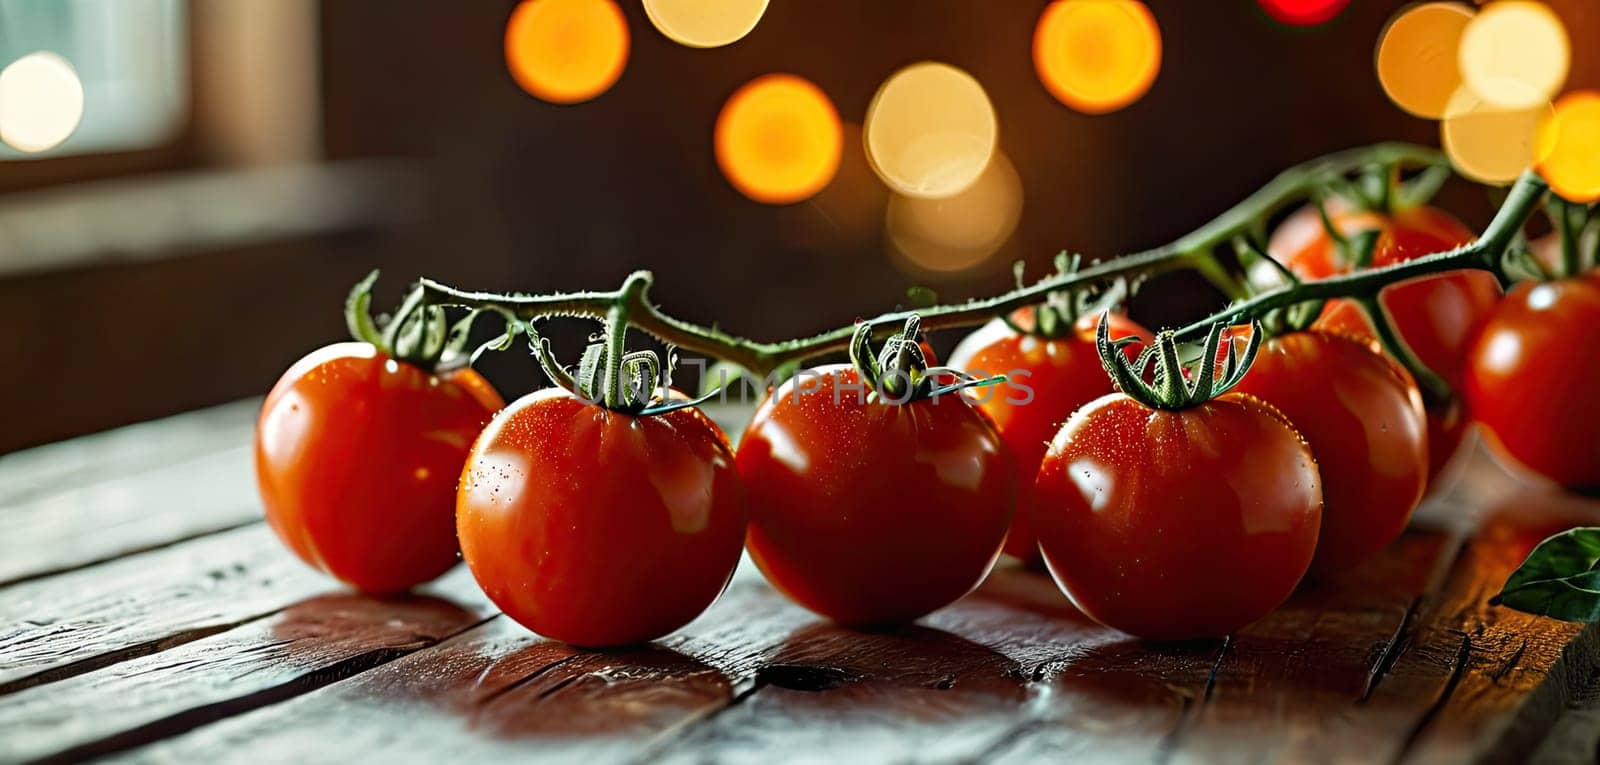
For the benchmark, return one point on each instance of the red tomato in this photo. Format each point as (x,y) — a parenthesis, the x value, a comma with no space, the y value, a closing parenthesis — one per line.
(357,457)
(598,528)
(1364,420)
(1438,316)
(1532,380)
(1172,525)
(869,512)
(1049,378)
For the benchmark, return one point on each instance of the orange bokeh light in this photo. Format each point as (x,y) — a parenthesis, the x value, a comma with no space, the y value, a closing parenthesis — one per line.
(1417,57)
(1097,56)
(1569,147)
(566,51)
(778,139)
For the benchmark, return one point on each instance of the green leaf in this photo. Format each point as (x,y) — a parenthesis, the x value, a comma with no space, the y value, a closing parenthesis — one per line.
(1560,578)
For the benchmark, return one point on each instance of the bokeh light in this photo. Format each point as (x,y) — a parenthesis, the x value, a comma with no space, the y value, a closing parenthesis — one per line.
(961,231)
(1418,55)
(704,23)
(1303,13)
(846,217)
(1515,54)
(930,130)
(566,51)
(41,102)
(1569,147)
(1097,56)
(778,139)
(1486,142)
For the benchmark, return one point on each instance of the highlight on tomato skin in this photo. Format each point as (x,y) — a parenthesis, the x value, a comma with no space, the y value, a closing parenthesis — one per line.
(1531,380)
(1049,378)
(872,513)
(1178,525)
(1363,418)
(1437,316)
(597,528)
(356,458)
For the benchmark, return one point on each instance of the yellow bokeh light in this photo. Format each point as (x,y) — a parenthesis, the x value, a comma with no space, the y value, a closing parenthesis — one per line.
(1418,54)
(778,139)
(1097,56)
(930,130)
(1569,147)
(1489,143)
(41,102)
(566,51)
(962,231)
(1514,54)
(704,23)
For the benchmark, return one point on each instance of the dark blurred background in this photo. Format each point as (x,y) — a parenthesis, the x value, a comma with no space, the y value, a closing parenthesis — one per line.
(241,162)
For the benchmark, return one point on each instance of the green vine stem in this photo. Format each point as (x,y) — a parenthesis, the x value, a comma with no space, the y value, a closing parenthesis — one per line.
(1485,254)
(1195,250)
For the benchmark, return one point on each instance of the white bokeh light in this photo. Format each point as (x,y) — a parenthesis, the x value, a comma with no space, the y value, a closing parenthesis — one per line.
(41,102)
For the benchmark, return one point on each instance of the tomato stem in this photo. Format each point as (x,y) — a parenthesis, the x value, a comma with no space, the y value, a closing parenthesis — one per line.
(1483,254)
(1193,251)
(1435,391)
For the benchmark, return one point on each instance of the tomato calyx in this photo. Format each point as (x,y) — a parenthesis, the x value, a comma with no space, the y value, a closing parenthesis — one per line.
(898,372)
(1172,387)
(635,383)
(417,333)
(1058,315)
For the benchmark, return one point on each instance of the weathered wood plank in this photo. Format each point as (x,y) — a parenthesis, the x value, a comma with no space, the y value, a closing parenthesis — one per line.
(308,645)
(1388,664)
(1515,673)
(116,454)
(1285,678)
(499,691)
(67,624)
(101,521)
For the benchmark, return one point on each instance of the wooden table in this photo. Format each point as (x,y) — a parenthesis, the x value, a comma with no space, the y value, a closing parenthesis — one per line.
(148,614)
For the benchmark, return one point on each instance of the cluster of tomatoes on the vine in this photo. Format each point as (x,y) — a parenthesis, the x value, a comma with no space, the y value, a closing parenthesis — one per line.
(1185,500)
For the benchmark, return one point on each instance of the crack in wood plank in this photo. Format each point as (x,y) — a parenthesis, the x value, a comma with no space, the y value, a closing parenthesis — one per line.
(308,646)
(146,603)
(1192,707)
(1458,670)
(541,672)
(1397,644)
(191,719)
(129,653)
(1499,673)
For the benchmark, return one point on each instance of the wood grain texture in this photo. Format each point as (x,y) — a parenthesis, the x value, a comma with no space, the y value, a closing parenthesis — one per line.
(101,521)
(307,645)
(1514,673)
(67,624)
(126,491)
(225,647)
(124,452)
(498,691)
(1286,682)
